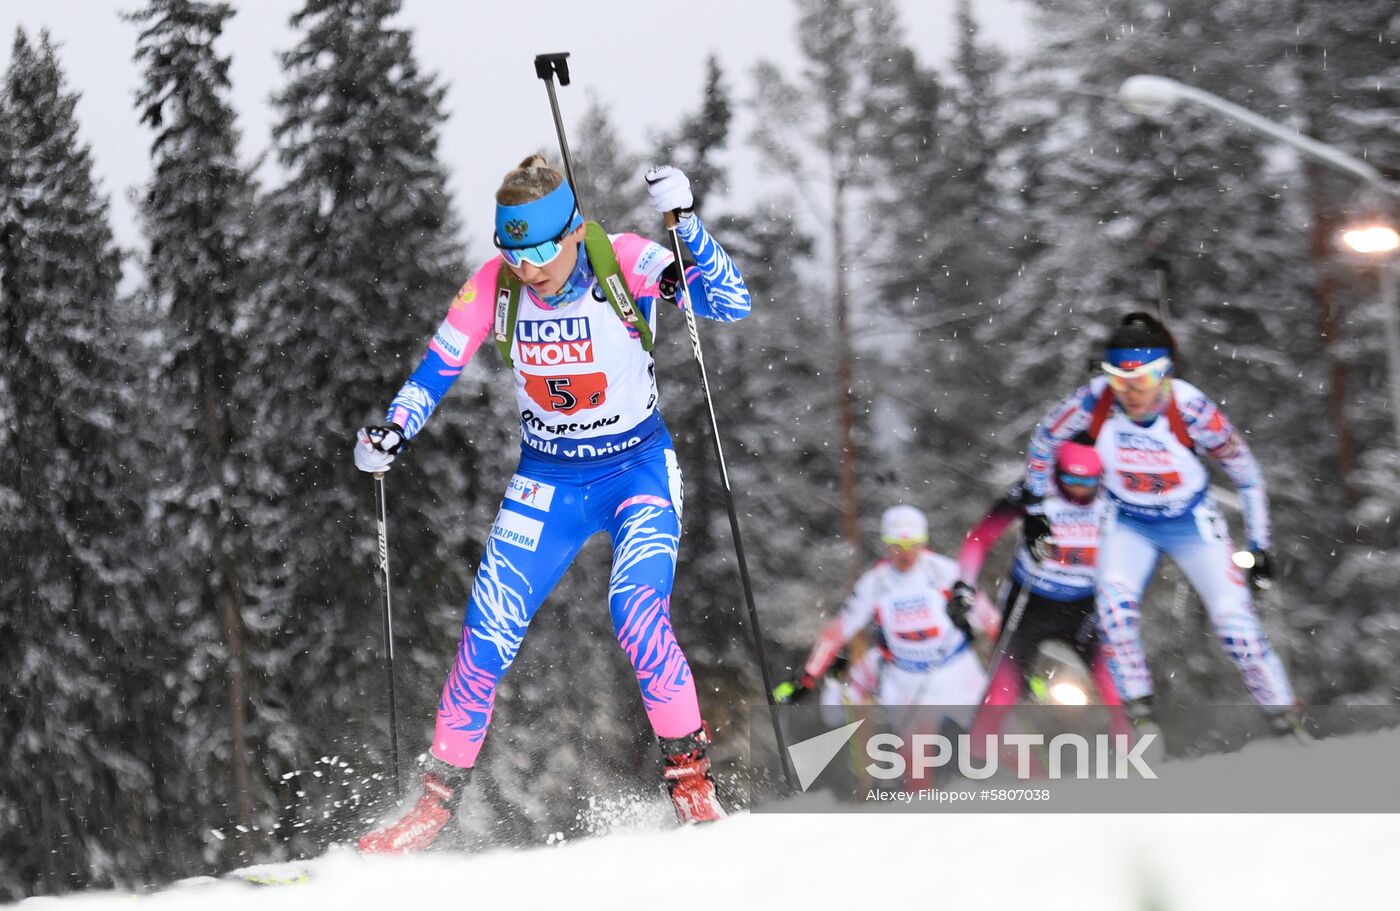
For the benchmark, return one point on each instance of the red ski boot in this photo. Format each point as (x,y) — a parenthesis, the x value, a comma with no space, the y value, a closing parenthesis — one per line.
(441,791)
(687,776)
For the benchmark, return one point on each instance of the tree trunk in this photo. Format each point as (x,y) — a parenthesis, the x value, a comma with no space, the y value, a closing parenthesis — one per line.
(1329,318)
(850,503)
(227,595)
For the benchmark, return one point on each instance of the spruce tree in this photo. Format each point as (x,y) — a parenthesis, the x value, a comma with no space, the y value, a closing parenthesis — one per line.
(1339,59)
(365,245)
(610,174)
(197,213)
(937,243)
(698,142)
(820,133)
(75,782)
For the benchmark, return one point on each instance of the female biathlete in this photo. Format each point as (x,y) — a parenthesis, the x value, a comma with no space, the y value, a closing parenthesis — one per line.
(573,311)
(1151,430)
(1053,587)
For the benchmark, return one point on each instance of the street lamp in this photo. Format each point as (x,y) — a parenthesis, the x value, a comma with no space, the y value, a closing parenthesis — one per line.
(1380,242)
(1158,95)
(1152,95)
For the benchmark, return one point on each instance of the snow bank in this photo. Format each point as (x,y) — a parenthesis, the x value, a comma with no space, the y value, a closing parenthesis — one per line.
(1046,861)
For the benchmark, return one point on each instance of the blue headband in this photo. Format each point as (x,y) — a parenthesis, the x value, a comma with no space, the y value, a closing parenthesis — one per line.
(1134,357)
(537,221)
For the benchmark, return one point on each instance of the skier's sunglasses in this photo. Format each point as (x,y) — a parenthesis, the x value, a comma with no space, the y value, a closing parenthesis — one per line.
(902,543)
(1079,480)
(1143,378)
(538,255)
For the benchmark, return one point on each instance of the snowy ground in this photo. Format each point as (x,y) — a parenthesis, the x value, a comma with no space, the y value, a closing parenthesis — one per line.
(805,861)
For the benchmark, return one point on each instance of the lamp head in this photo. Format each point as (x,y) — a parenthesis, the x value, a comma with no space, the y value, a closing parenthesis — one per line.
(1148,95)
(1372,239)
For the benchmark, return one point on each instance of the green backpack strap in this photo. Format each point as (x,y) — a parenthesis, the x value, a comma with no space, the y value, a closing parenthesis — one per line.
(507,305)
(603,259)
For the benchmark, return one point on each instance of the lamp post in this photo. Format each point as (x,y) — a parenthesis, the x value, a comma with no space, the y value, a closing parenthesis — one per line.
(1158,95)
(1382,242)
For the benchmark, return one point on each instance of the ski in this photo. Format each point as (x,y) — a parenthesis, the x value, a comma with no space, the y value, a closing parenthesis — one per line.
(290,873)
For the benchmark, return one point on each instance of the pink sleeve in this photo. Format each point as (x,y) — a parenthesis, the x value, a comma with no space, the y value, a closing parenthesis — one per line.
(855,615)
(828,646)
(642,262)
(983,538)
(470,319)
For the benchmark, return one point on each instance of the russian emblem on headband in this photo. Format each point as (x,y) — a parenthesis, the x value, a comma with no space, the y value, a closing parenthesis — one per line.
(516,229)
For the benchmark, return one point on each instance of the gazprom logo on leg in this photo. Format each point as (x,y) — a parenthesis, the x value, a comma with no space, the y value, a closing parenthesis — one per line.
(521,531)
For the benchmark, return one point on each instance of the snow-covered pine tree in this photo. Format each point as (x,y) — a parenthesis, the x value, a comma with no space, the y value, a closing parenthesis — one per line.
(1339,60)
(819,134)
(939,242)
(706,579)
(76,781)
(696,142)
(972,233)
(200,276)
(610,174)
(364,244)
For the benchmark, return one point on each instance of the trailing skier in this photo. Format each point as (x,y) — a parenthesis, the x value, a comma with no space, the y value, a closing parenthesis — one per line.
(926,641)
(1152,430)
(1050,592)
(573,312)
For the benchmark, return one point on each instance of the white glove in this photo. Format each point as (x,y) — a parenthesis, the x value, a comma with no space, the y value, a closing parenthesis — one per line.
(377,447)
(669,189)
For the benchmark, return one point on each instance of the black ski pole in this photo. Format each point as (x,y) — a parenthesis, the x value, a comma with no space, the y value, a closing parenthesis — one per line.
(743,562)
(1008,629)
(546,66)
(383,523)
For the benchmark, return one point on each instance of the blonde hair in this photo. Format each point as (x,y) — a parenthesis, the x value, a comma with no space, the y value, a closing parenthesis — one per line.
(532,179)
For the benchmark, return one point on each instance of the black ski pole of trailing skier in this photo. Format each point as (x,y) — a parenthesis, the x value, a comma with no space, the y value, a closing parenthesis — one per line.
(546,66)
(1008,629)
(383,523)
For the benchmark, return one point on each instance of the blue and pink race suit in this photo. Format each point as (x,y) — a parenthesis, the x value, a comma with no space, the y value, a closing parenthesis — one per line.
(595,456)
(1159,489)
(1059,604)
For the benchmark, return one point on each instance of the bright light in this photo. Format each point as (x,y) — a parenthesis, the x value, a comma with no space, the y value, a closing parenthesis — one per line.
(1243,559)
(1066,693)
(1373,239)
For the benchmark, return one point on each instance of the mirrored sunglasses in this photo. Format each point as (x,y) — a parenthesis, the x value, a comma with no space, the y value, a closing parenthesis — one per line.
(1144,377)
(538,255)
(1079,480)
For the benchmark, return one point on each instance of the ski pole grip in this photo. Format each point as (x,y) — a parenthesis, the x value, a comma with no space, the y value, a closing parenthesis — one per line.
(671,220)
(547,65)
